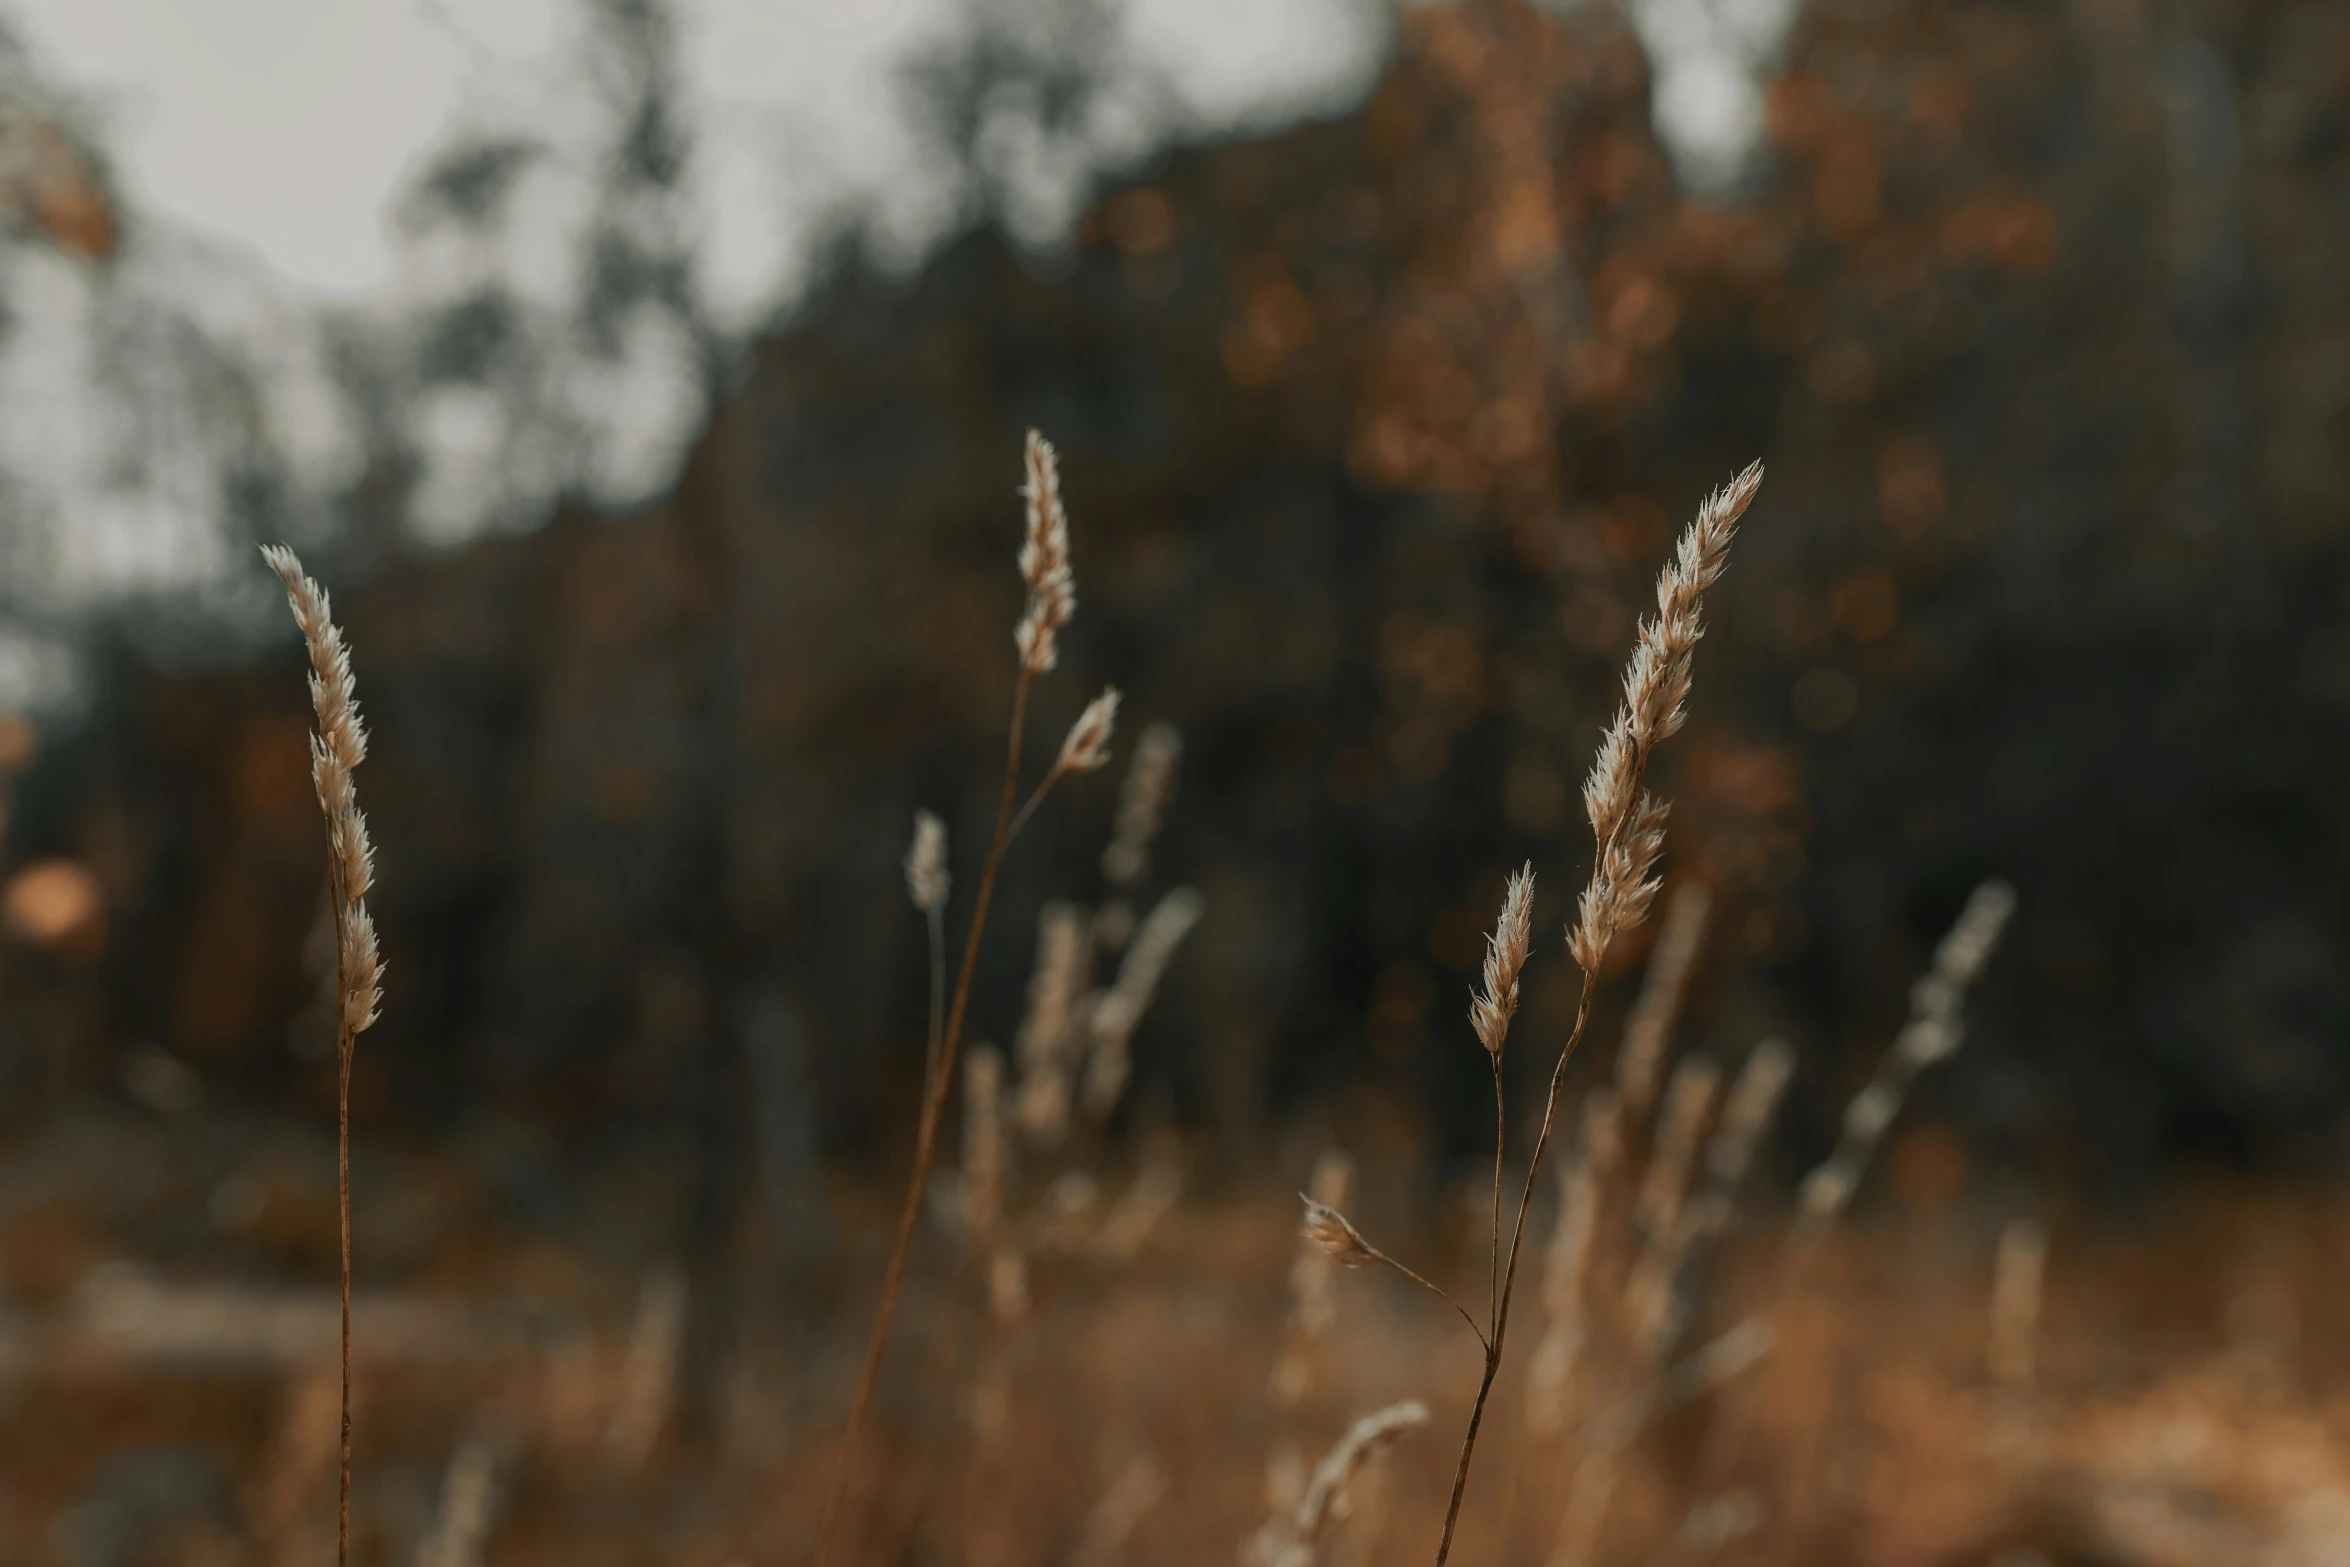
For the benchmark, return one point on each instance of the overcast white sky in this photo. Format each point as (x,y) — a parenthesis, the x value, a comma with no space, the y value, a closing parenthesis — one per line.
(284,126)
(261,144)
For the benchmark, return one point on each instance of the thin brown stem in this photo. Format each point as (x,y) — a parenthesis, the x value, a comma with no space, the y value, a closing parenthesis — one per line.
(1035,799)
(935,918)
(346,1045)
(1509,1276)
(1433,1288)
(926,1138)
(1500,1135)
(344,1052)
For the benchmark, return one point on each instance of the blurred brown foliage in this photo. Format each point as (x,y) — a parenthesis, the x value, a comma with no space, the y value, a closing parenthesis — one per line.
(1375,429)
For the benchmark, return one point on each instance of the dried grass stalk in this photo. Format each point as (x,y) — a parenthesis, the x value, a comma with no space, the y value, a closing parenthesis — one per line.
(1590,1163)
(1934,1030)
(336,749)
(1325,1502)
(1052,600)
(1113,1517)
(986,1167)
(1491,1010)
(927,883)
(2015,1324)
(1640,1067)
(1142,804)
(983,1146)
(1044,563)
(1689,1099)
(1048,1033)
(1335,1237)
(1626,822)
(1628,829)
(927,880)
(468,1508)
(1747,1113)
(1648,1298)
(1659,1394)
(1659,1295)
(1113,1015)
(1086,748)
(1312,1305)
(648,1373)
(1147,1200)
(2015,1304)
(1327,1499)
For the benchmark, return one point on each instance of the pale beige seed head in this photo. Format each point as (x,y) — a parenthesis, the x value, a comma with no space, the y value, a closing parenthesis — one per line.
(1973,936)
(361,962)
(1142,803)
(1087,748)
(1626,824)
(1064,958)
(336,749)
(1325,1501)
(1505,955)
(1048,1034)
(1114,1014)
(1044,562)
(332,693)
(927,879)
(1623,883)
(1313,1306)
(1340,1241)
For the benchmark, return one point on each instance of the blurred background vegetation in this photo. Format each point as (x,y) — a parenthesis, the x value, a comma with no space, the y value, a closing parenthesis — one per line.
(1377,415)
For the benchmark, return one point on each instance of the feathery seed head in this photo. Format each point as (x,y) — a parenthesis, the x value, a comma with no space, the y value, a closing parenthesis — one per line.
(1505,954)
(1622,882)
(1340,1241)
(1627,826)
(1087,748)
(1044,562)
(337,748)
(362,965)
(927,880)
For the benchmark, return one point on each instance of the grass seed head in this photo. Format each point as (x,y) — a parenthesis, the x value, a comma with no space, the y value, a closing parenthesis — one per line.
(1505,954)
(927,880)
(1044,563)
